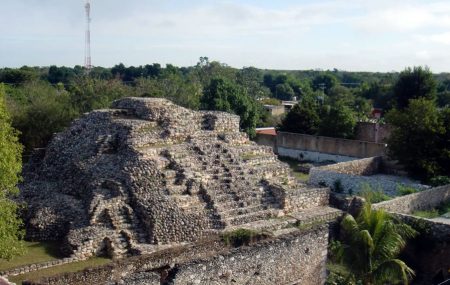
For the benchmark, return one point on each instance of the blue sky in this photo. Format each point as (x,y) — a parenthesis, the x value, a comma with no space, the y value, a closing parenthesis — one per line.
(357,35)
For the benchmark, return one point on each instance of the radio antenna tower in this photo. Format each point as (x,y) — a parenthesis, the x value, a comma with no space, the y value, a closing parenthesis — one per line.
(87,48)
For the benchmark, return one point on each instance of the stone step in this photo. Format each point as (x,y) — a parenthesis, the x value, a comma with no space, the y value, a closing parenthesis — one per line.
(244,210)
(250,217)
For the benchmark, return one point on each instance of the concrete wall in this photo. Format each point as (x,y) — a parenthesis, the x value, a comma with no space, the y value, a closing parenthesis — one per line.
(267,140)
(424,200)
(304,155)
(275,110)
(317,148)
(328,145)
(372,132)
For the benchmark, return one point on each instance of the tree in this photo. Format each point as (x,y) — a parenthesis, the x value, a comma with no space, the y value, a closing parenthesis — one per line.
(420,140)
(414,83)
(251,78)
(338,121)
(284,91)
(369,246)
(340,94)
(17,76)
(224,95)
(38,111)
(302,118)
(382,95)
(325,81)
(10,168)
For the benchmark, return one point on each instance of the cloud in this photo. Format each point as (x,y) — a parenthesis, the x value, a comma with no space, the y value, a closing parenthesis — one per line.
(441,38)
(404,16)
(288,34)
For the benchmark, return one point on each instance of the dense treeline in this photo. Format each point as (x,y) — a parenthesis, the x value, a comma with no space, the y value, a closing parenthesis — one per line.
(43,100)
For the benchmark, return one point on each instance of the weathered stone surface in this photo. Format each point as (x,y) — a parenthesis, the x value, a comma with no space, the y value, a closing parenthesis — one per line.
(150,172)
(356,174)
(296,258)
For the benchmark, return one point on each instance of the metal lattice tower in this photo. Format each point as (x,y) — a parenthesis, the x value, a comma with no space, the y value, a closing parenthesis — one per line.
(87,48)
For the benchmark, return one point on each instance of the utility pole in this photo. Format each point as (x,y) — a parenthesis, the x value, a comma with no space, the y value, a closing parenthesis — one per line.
(87,47)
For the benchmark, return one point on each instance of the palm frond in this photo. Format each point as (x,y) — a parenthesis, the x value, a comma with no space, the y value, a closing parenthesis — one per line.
(393,271)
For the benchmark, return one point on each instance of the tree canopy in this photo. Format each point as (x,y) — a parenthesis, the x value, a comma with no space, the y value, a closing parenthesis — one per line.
(414,83)
(338,121)
(223,95)
(302,118)
(420,139)
(10,168)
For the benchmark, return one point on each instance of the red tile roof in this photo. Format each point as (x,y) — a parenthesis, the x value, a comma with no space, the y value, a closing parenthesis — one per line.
(267,131)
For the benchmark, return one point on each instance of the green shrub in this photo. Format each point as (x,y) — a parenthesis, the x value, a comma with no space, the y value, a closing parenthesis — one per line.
(427,214)
(439,181)
(373,196)
(242,237)
(405,190)
(337,186)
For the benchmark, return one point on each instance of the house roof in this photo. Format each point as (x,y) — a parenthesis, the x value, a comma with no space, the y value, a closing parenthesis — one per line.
(266,131)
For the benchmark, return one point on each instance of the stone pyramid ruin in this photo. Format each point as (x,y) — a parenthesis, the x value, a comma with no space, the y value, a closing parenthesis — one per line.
(149,173)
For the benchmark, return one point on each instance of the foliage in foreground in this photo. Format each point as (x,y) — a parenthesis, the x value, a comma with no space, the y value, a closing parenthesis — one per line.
(368,248)
(10,168)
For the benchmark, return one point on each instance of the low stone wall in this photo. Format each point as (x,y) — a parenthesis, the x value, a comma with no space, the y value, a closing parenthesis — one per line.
(355,175)
(300,199)
(297,258)
(424,200)
(38,266)
(428,254)
(365,166)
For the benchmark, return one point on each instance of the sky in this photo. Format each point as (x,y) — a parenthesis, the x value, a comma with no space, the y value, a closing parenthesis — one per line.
(353,35)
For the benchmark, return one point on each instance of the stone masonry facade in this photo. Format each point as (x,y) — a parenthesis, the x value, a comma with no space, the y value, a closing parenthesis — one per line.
(147,174)
(295,259)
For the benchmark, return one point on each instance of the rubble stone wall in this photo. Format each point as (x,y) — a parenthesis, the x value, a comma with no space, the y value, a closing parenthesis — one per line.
(300,199)
(355,175)
(148,172)
(297,258)
(424,200)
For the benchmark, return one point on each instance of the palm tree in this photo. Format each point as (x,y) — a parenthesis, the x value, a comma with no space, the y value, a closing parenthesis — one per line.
(369,247)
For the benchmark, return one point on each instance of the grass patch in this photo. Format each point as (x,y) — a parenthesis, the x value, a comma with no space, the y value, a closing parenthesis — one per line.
(308,225)
(301,176)
(293,165)
(427,214)
(248,155)
(240,237)
(70,267)
(406,190)
(36,252)
(373,196)
(443,209)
